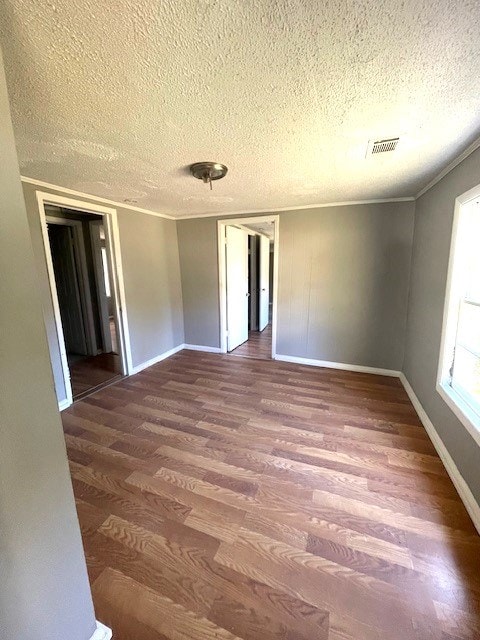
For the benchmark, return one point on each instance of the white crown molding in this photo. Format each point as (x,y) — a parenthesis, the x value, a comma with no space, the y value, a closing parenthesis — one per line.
(446,170)
(456,477)
(468,151)
(81,194)
(347,203)
(123,205)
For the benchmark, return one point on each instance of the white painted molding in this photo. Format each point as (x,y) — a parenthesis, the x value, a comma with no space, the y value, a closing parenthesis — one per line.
(461,486)
(114,253)
(101,632)
(64,404)
(200,347)
(456,161)
(162,356)
(273,210)
(338,365)
(89,196)
(454,293)
(124,205)
(171,352)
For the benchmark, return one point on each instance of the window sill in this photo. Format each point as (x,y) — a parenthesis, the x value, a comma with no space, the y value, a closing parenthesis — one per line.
(463,411)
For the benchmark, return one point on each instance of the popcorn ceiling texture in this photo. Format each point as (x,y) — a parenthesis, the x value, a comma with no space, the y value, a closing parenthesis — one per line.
(116,98)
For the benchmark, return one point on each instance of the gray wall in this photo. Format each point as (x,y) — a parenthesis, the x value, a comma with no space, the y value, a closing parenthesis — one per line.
(343,282)
(431,247)
(151,273)
(44,591)
(153,291)
(198,249)
(343,275)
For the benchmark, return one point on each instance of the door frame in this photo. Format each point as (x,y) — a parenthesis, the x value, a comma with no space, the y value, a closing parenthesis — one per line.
(97,250)
(222,270)
(112,238)
(264,244)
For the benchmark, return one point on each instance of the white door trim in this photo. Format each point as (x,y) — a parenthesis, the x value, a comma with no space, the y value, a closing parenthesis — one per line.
(237,286)
(222,283)
(102,632)
(264,279)
(100,283)
(112,237)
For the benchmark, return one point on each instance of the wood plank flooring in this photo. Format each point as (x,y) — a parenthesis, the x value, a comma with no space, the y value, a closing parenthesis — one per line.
(223,498)
(91,373)
(258,345)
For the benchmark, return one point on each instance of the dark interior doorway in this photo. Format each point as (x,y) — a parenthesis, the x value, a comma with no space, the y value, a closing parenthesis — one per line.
(83,281)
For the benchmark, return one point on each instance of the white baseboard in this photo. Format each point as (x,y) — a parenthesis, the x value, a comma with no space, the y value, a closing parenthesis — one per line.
(200,347)
(162,356)
(461,486)
(101,632)
(338,365)
(64,404)
(171,352)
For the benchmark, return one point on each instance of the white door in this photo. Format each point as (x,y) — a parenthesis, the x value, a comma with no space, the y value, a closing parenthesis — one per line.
(237,286)
(264,282)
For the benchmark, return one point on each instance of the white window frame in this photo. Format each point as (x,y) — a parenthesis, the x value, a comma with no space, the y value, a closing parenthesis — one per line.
(454,290)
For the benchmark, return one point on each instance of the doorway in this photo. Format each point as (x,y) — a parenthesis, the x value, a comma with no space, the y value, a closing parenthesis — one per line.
(84,284)
(248,259)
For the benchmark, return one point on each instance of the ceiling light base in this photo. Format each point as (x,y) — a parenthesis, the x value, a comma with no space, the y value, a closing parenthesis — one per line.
(208,171)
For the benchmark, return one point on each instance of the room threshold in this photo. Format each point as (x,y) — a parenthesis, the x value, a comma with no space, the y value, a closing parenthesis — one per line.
(89,374)
(258,345)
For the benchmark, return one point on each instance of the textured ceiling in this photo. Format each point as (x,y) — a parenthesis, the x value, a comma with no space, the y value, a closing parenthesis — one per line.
(265,228)
(116,98)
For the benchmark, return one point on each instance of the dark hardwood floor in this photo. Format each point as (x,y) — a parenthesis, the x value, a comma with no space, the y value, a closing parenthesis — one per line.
(88,374)
(224,498)
(258,345)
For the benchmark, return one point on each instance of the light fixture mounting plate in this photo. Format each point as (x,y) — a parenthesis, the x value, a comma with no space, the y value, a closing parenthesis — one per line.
(208,171)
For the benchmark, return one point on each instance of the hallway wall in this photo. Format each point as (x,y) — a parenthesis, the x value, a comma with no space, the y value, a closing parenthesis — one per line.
(44,589)
(431,250)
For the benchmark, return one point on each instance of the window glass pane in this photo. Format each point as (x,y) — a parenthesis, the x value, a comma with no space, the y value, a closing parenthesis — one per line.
(468,332)
(466,376)
(472,273)
(465,373)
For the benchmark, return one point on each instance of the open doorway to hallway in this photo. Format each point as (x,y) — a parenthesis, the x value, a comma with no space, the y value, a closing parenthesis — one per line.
(247,255)
(82,272)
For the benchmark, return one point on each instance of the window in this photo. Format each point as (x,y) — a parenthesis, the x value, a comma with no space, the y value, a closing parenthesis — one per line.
(459,370)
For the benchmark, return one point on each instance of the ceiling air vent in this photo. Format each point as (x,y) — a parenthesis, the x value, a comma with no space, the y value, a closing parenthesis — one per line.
(382,146)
